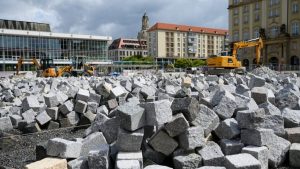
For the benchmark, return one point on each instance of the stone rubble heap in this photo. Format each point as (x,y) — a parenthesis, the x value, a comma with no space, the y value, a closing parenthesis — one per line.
(161,121)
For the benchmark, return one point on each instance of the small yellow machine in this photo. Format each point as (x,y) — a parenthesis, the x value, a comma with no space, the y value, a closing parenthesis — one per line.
(225,62)
(46,68)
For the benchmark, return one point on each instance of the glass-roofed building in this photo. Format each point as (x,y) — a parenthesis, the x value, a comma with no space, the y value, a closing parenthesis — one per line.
(35,40)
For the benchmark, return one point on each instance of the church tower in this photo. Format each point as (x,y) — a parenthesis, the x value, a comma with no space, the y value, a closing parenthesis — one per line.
(142,35)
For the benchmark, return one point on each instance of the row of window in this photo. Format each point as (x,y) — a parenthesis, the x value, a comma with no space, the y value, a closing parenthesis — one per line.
(273,32)
(13,46)
(127,53)
(274,12)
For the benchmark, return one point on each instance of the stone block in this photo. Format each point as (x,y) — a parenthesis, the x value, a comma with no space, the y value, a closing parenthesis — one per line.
(207,119)
(112,104)
(152,155)
(157,167)
(62,97)
(259,94)
(58,147)
(211,167)
(92,106)
(52,112)
(17,92)
(188,106)
(162,142)
(83,95)
(186,82)
(177,125)
(5,124)
(128,164)
(29,116)
(256,137)
(31,102)
(291,118)
(256,81)
(130,141)
(64,122)
(158,112)
(94,97)
(228,129)
(260,153)
(99,158)
(270,109)
(67,107)
(243,89)
(89,115)
(226,107)
(78,163)
(278,149)
(48,163)
(230,147)
(148,92)
(103,110)
(132,116)
(193,137)
(80,106)
(15,119)
(293,134)
(241,161)
(43,118)
(250,119)
(32,128)
(41,151)
(187,161)
(211,154)
(294,155)
(92,142)
(287,98)
(118,91)
(52,125)
(128,156)
(110,129)
(51,100)
(73,118)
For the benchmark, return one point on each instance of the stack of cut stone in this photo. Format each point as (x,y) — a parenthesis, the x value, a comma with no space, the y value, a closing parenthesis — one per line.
(175,121)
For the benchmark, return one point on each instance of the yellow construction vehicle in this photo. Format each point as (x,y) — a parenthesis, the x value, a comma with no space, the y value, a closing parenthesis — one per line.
(226,63)
(46,68)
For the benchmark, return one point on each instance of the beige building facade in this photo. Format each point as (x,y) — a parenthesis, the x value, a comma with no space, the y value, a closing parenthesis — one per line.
(181,41)
(277,21)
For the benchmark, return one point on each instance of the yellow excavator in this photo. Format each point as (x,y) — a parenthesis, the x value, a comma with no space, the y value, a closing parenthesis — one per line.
(225,63)
(46,67)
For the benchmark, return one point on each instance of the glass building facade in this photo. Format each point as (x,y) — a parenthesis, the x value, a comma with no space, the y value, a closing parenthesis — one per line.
(61,47)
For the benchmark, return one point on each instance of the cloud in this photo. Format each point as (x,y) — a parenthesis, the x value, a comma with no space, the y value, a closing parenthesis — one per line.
(117,18)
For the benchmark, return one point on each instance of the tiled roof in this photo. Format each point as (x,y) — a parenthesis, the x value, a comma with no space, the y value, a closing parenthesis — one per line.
(186,28)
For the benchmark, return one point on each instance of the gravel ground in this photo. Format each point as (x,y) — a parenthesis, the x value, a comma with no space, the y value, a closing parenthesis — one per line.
(17,151)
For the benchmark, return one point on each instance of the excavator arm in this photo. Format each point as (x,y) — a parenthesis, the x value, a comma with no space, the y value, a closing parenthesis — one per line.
(258,43)
(20,63)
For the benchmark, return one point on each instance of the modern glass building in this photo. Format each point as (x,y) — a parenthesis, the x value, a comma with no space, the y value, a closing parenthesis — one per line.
(27,39)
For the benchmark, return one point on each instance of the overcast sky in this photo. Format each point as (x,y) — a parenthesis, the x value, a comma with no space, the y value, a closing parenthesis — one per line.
(116,18)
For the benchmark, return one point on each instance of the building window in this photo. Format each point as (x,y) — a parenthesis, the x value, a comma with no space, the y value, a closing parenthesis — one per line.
(246,9)
(246,19)
(246,35)
(274,31)
(257,6)
(256,17)
(236,11)
(274,12)
(295,7)
(295,28)
(274,2)
(256,33)
(236,36)
(236,21)
(235,2)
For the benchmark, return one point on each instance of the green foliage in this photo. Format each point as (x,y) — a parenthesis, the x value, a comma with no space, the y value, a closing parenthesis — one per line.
(185,63)
(139,60)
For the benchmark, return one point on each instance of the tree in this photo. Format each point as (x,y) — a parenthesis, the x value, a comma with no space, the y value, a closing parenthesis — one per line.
(185,63)
(139,60)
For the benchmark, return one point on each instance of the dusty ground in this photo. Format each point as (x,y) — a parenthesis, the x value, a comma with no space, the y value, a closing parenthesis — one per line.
(17,151)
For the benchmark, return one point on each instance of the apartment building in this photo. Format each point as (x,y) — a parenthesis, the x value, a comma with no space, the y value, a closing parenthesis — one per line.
(122,48)
(171,41)
(277,21)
